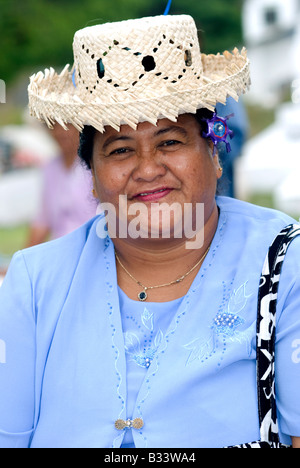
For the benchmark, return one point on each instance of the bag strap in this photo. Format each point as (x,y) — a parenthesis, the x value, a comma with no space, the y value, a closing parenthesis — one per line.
(266,332)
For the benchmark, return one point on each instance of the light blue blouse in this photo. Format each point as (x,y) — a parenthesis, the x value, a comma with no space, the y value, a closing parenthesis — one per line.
(76,354)
(144,327)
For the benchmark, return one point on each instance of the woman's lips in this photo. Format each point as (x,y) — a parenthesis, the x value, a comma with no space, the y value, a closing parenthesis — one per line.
(152,195)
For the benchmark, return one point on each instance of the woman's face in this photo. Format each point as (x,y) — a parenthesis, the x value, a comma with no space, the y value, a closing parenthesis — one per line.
(168,163)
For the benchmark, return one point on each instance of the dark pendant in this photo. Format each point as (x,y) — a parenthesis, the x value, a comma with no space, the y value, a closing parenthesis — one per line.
(142,295)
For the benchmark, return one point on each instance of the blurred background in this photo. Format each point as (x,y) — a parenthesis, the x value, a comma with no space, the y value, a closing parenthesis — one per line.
(36,34)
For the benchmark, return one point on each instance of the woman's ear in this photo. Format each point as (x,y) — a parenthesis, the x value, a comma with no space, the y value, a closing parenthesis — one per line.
(216,161)
(215,158)
(94,191)
(212,149)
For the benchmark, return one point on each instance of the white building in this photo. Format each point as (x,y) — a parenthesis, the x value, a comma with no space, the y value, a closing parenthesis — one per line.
(272,36)
(270,163)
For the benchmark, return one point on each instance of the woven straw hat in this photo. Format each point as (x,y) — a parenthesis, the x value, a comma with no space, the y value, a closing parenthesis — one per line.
(134,71)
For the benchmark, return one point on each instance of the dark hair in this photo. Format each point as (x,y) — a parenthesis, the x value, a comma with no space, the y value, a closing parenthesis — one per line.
(86,141)
(86,145)
(202,116)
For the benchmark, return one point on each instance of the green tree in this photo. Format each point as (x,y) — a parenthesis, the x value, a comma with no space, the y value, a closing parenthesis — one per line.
(38,33)
(218,21)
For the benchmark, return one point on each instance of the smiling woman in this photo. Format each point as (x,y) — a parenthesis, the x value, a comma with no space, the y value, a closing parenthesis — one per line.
(137,341)
(169,163)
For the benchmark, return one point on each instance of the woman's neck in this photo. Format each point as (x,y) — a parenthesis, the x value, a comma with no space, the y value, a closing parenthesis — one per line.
(160,261)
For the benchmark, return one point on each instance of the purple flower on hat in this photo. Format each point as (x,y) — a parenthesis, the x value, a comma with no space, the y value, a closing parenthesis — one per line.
(218,130)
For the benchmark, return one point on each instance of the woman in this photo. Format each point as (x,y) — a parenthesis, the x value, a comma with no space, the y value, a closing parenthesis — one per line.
(66,199)
(128,340)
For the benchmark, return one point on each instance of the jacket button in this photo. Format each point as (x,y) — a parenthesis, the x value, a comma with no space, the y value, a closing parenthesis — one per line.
(136,423)
(120,424)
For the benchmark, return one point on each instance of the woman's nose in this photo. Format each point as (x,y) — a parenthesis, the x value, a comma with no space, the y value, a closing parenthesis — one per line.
(149,166)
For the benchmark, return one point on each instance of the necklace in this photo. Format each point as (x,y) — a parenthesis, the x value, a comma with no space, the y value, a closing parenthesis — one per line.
(142,295)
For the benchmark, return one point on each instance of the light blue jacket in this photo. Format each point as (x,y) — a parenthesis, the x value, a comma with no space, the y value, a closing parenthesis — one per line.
(62,357)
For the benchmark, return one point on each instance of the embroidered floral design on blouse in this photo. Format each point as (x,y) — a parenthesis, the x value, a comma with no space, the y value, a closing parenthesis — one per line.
(139,352)
(143,350)
(147,319)
(224,327)
(226,324)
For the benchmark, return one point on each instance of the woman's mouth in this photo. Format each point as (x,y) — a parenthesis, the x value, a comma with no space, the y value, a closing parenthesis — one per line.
(152,195)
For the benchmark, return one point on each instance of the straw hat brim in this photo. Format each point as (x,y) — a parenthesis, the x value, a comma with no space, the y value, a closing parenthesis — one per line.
(54,98)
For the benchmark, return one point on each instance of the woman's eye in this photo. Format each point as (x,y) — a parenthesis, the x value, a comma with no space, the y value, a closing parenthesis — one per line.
(170,143)
(119,151)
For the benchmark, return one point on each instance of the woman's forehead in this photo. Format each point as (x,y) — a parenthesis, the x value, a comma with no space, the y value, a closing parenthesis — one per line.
(183,124)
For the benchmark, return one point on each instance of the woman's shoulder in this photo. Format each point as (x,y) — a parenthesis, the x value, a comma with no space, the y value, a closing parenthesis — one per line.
(245,210)
(257,227)
(61,254)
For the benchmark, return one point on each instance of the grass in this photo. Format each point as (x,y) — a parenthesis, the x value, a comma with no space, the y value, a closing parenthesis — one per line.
(266,200)
(10,115)
(262,199)
(13,239)
(259,118)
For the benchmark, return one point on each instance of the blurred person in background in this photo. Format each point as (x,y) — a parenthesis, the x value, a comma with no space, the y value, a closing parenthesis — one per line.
(67,200)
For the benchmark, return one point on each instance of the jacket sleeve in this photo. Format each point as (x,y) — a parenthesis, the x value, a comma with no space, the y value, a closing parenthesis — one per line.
(287,355)
(17,356)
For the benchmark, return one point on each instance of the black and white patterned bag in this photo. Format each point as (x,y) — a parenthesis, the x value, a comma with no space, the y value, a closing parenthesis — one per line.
(266,334)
